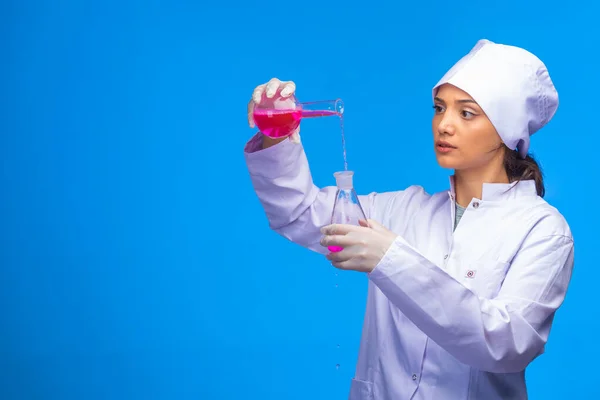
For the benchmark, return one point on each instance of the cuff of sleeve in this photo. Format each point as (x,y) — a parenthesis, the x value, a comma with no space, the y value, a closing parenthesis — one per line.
(405,278)
(390,263)
(402,259)
(408,278)
(273,161)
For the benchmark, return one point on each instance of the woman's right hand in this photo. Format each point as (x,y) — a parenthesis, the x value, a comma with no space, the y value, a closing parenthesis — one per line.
(270,89)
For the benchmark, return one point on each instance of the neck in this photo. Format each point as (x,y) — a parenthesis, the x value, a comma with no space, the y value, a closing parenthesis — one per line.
(468,184)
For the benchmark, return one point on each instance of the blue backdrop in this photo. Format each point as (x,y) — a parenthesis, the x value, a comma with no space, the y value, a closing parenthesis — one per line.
(136,261)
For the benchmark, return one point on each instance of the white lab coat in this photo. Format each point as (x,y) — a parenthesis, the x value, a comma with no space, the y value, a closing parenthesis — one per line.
(450,314)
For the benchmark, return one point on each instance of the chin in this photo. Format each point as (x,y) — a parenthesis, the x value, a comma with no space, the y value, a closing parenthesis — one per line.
(448,162)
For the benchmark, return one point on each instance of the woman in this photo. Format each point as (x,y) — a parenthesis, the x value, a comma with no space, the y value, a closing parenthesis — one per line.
(463,284)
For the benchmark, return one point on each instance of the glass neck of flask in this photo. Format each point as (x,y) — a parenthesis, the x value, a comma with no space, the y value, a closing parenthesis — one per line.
(347,195)
(323,108)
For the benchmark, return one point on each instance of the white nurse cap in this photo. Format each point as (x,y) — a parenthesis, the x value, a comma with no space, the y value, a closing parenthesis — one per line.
(511,85)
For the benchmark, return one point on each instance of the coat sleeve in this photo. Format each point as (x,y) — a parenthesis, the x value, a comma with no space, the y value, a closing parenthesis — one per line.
(295,207)
(503,334)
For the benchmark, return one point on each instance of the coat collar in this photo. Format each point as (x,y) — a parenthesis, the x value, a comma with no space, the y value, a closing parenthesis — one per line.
(501,191)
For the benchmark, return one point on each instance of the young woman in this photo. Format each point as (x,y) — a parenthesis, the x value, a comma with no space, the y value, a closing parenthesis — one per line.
(463,284)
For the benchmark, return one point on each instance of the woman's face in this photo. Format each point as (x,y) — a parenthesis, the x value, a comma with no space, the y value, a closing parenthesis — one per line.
(464,137)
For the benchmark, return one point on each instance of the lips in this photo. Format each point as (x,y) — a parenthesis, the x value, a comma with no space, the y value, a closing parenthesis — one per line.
(443,144)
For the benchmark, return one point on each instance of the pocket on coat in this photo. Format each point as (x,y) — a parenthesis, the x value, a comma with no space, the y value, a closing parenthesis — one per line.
(361,390)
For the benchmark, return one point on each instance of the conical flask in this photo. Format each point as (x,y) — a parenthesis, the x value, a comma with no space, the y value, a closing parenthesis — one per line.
(347,208)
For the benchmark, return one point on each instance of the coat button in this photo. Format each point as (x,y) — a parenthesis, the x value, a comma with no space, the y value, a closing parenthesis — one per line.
(414,377)
(446,256)
(476,204)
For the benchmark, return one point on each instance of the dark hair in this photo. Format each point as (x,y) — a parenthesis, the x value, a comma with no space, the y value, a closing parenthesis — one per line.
(519,169)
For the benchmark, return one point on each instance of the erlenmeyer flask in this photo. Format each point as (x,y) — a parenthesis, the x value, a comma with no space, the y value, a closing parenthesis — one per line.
(347,208)
(280,116)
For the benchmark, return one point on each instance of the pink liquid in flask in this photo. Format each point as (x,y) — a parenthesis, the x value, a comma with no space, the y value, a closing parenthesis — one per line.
(281,123)
(335,249)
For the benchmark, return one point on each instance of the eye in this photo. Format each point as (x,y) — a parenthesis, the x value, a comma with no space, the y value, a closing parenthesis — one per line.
(438,108)
(467,114)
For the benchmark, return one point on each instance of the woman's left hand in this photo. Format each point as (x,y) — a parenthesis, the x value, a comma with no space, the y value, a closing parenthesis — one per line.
(363,246)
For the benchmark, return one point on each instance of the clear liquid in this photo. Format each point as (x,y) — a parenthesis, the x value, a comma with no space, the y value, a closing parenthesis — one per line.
(343,142)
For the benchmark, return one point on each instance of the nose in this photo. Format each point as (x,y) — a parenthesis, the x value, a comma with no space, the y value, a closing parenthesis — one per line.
(446,125)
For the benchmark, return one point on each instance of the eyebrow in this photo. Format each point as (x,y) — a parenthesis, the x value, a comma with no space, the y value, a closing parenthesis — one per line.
(458,101)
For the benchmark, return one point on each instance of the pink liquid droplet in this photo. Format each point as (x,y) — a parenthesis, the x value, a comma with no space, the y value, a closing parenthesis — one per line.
(335,249)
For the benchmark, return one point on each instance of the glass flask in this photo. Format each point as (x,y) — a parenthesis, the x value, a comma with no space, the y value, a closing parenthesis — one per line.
(280,116)
(347,208)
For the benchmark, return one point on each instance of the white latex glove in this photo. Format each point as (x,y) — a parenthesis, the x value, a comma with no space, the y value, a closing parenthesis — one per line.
(364,246)
(272,87)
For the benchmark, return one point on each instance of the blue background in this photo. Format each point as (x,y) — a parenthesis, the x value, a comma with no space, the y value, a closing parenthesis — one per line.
(136,261)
